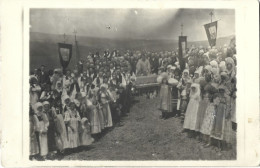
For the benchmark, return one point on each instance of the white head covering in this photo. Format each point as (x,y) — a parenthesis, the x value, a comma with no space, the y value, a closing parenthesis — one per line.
(104,86)
(214,64)
(196,93)
(208,67)
(173,81)
(65,97)
(83,94)
(229,60)
(36,106)
(45,103)
(222,66)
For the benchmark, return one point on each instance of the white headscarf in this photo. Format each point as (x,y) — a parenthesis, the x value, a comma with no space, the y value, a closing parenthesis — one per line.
(195,94)
(36,106)
(222,66)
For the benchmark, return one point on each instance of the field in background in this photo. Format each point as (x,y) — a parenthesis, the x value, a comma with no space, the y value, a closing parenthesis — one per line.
(44,48)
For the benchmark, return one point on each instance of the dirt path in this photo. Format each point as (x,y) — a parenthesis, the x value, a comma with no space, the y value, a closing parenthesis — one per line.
(144,136)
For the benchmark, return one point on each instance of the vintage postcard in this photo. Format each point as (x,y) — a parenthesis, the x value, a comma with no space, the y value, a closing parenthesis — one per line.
(130,83)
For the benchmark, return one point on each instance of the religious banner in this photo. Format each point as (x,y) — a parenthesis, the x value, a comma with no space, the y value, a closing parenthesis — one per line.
(65,53)
(211,31)
(182,51)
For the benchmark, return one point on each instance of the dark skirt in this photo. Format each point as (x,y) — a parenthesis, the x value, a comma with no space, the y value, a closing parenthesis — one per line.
(51,136)
(201,112)
(219,122)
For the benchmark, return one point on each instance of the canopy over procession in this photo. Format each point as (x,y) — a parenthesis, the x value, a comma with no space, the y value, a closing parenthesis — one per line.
(72,108)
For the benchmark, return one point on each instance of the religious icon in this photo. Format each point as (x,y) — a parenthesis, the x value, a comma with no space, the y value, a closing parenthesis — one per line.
(183,46)
(65,52)
(213,32)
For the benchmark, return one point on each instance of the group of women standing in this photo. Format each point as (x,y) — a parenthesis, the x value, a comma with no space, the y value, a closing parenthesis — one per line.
(206,99)
(70,110)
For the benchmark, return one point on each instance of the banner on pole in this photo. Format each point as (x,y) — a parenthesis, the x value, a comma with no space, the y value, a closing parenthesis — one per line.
(65,54)
(182,51)
(211,31)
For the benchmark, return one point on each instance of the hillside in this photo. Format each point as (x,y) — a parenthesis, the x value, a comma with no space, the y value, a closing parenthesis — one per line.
(44,48)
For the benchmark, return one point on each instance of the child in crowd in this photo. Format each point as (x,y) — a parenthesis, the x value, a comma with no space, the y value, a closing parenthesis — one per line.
(165,98)
(192,110)
(42,124)
(71,120)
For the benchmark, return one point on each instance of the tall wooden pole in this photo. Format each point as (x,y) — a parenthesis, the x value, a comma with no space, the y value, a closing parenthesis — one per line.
(64,36)
(76,45)
(181,29)
(211,14)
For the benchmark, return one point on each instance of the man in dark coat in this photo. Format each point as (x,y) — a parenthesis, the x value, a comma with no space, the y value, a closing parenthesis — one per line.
(43,76)
(154,63)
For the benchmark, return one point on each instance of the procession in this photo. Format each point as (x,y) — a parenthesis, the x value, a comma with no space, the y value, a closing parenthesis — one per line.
(74,108)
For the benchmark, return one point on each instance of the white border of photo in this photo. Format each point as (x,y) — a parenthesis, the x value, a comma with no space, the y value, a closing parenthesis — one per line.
(15,79)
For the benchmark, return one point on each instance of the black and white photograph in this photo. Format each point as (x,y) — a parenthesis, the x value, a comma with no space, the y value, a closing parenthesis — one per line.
(132,84)
(129,83)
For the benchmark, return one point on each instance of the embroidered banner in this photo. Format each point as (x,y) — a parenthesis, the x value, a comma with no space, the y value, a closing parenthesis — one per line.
(65,53)
(211,31)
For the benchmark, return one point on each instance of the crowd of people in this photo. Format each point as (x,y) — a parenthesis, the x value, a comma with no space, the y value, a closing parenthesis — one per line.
(203,96)
(71,108)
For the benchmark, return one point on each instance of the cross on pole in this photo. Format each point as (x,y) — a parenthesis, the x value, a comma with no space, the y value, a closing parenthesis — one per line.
(211,14)
(181,29)
(75,32)
(64,36)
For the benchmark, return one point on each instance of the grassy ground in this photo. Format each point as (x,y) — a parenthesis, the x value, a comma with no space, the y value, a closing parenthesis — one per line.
(144,136)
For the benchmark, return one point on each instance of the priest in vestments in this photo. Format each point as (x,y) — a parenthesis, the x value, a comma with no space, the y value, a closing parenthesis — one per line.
(143,67)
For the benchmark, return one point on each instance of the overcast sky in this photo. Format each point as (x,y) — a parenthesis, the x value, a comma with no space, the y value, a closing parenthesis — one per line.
(132,23)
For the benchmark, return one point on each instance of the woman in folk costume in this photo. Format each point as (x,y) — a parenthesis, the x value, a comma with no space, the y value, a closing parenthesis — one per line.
(228,90)
(219,117)
(192,109)
(83,84)
(35,90)
(165,96)
(197,75)
(66,85)
(51,130)
(215,67)
(95,119)
(85,136)
(113,87)
(74,88)
(61,137)
(177,97)
(224,79)
(42,129)
(65,104)
(71,120)
(231,69)
(184,86)
(92,98)
(104,99)
(91,113)
(204,103)
(34,147)
(78,102)
(232,105)
(207,122)
(207,70)
(59,87)
(222,66)
(57,76)
(46,94)
(175,102)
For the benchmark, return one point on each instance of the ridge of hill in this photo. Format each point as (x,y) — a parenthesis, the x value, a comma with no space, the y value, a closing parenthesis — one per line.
(44,48)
